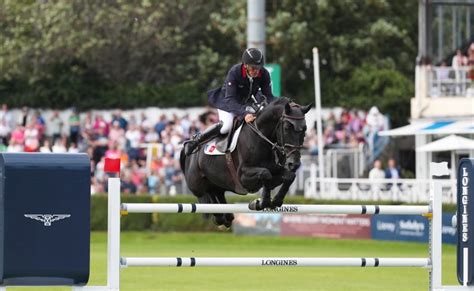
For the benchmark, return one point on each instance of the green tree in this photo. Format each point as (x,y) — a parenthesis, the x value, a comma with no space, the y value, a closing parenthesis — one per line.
(386,88)
(78,50)
(131,53)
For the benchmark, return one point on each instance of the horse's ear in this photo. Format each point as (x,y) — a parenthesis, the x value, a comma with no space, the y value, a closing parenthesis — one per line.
(306,108)
(287,108)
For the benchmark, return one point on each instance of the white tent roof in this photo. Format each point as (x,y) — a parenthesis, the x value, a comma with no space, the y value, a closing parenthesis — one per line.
(433,127)
(449,143)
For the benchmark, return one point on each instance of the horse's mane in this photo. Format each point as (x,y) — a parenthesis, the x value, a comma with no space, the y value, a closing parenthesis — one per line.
(273,109)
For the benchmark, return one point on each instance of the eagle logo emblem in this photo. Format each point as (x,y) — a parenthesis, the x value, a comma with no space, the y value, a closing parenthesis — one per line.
(47,219)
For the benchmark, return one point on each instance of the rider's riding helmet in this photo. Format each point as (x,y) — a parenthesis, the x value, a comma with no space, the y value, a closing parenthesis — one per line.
(253,57)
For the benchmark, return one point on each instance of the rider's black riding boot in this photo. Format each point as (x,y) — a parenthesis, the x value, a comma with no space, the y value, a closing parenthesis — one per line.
(210,132)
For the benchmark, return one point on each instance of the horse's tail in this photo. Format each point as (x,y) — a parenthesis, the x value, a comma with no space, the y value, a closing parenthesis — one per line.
(182,160)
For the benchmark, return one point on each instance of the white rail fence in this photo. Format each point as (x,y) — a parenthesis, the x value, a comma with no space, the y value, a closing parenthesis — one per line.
(398,190)
(446,81)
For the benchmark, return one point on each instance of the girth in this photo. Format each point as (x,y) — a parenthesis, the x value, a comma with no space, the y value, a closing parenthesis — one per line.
(233,173)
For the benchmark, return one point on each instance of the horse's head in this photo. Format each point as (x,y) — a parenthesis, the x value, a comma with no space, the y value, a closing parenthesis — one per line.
(291,133)
(290,129)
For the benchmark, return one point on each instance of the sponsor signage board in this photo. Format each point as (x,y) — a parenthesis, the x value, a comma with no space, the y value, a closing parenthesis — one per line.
(329,226)
(400,227)
(465,222)
(256,224)
(450,235)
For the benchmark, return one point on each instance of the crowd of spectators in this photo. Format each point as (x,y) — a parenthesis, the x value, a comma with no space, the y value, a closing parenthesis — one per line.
(117,137)
(128,137)
(349,129)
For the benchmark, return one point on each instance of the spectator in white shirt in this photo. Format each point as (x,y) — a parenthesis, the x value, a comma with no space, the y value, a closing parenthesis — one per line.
(73,149)
(375,174)
(151,136)
(46,148)
(55,125)
(14,146)
(134,137)
(6,116)
(145,122)
(60,146)
(459,60)
(5,131)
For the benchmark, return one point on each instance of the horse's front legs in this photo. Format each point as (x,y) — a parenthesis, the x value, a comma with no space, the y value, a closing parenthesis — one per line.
(288,178)
(252,179)
(264,202)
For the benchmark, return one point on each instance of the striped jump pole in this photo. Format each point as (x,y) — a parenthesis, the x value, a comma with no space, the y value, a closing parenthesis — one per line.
(274,262)
(296,208)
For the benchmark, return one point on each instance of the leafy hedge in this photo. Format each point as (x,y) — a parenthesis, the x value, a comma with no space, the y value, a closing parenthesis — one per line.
(187,222)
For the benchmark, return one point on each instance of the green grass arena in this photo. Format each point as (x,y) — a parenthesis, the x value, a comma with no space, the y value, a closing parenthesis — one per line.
(155,244)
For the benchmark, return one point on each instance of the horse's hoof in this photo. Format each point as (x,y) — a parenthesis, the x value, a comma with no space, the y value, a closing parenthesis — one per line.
(276,203)
(265,204)
(218,220)
(256,205)
(229,217)
(223,227)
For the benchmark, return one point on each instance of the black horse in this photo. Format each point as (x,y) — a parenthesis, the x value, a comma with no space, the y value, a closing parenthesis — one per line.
(267,155)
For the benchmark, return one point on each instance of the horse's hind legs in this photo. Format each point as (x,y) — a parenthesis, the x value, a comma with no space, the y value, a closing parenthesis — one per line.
(225,219)
(228,217)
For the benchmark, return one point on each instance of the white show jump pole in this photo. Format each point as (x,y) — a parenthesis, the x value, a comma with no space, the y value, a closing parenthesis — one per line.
(287,209)
(319,121)
(113,235)
(275,262)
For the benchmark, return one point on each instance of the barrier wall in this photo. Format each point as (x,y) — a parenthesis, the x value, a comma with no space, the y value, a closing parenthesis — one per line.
(44,219)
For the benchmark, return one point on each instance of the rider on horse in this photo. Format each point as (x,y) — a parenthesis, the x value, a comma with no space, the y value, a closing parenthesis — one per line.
(233,99)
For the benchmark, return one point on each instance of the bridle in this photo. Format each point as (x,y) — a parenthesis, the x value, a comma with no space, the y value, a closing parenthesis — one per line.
(288,118)
(279,147)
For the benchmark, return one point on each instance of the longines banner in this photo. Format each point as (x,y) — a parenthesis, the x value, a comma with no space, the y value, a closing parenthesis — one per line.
(465,222)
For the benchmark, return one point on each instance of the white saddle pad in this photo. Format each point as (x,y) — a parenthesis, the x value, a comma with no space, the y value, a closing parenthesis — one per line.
(211,149)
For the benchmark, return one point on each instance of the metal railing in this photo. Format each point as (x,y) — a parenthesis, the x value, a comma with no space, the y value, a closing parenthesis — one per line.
(449,82)
(354,165)
(396,190)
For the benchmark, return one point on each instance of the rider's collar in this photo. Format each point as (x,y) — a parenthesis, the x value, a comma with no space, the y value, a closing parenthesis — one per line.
(244,72)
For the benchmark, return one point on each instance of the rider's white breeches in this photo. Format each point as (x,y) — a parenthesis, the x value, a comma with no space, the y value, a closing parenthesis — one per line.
(227,119)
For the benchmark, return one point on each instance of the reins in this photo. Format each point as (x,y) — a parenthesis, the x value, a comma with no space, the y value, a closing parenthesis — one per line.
(278,148)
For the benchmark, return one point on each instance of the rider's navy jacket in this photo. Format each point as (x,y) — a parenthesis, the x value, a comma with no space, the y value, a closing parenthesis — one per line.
(232,96)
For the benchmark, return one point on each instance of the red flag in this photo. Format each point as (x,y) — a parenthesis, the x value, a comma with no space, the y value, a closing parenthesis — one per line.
(112,165)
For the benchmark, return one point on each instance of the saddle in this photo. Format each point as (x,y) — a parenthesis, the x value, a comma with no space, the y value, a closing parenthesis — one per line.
(224,143)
